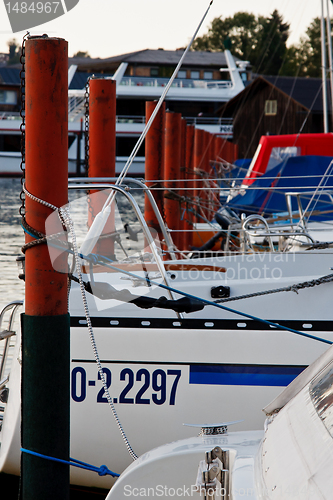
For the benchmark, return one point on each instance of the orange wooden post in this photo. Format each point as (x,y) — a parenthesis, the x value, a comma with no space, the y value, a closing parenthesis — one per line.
(182,192)
(205,167)
(102,128)
(235,152)
(172,172)
(197,164)
(154,162)
(102,151)
(217,147)
(215,192)
(46,168)
(45,324)
(188,218)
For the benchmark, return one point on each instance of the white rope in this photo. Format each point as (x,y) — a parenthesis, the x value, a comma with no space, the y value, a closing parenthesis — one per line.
(38,200)
(65,217)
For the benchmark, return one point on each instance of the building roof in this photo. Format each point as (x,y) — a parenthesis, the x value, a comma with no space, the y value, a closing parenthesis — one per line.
(155,57)
(305,91)
(10,75)
(80,78)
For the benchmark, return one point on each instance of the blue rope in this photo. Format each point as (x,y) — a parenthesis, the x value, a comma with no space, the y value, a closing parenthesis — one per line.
(101,471)
(29,233)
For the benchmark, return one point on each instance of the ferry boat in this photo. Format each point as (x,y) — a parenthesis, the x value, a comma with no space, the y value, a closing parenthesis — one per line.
(205,81)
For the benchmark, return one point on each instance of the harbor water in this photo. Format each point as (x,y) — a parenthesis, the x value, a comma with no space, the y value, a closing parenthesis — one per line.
(12,234)
(12,239)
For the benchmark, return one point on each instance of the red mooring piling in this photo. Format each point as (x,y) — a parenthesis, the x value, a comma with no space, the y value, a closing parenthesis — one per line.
(188,216)
(102,151)
(172,159)
(102,128)
(182,237)
(198,159)
(45,324)
(154,163)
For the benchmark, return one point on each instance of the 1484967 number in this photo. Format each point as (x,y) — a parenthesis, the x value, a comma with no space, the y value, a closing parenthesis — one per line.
(33,7)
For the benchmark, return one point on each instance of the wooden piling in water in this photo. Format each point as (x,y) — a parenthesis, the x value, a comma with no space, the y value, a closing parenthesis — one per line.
(154,162)
(198,159)
(188,218)
(172,158)
(102,152)
(45,324)
(182,192)
(102,128)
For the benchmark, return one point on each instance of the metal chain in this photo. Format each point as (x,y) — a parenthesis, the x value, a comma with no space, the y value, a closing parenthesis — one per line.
(86,126)
(86,138)
(22,126)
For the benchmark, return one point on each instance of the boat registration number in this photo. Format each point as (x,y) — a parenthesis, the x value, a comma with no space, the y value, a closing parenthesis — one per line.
(140,386)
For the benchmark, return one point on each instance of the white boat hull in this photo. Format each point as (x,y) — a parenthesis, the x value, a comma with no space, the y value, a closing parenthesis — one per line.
(164,371)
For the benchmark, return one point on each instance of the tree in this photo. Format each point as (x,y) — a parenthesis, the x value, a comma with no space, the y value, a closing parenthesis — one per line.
(259,40)
(309,50)
(272,44)
(304,58)
(81,54)
(240,31)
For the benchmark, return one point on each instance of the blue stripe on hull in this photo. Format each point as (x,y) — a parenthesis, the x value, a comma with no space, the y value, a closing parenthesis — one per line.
(255,375)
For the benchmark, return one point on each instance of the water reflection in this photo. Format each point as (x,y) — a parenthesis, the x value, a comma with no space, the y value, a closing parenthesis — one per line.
(12,239)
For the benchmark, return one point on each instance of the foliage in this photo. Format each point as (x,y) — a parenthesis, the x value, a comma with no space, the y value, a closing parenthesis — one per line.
(259,40)
(80,53)
(272,47)
(308,51)
(263,42)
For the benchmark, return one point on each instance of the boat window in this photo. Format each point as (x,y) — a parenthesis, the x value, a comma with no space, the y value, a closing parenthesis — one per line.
(71,139)
(154,72)
(321,393)
(125,145)
(10,143)
(181,73)
(195,75)
(208,75)
(8,97)
(278,155)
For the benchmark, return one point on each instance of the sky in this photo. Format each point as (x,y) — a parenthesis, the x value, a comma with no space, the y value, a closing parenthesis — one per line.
(106,28)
